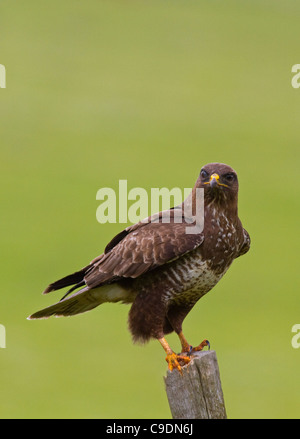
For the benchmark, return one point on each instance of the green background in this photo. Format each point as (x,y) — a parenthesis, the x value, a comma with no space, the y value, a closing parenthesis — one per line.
(147,91)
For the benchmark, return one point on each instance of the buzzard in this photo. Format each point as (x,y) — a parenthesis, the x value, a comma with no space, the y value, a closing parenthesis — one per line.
(160,268)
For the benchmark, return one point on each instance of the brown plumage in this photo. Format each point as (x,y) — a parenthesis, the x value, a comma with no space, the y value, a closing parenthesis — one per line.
(159,267)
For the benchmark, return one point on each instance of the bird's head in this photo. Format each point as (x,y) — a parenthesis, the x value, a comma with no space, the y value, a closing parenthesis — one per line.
(220,183)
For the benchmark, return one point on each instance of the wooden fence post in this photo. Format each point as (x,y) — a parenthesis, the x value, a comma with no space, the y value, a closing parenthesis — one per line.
(197,393)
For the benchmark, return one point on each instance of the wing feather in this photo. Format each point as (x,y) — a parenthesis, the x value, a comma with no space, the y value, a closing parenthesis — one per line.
(136,250)
(246,244)
(144,247)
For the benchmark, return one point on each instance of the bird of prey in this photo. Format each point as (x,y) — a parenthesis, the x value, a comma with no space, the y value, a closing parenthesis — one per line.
(161,269)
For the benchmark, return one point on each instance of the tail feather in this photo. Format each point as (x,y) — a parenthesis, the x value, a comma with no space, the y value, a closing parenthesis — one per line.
(80,302)
(85,300)
(80,284)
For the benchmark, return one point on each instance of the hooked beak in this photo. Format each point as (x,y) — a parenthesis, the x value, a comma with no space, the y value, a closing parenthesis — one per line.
(214,180)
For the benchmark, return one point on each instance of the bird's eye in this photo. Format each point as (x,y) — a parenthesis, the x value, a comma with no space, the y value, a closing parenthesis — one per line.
(204,174)
(229,177)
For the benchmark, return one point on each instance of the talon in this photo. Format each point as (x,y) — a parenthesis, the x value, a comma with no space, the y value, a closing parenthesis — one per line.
(185,359)
(201,346)
(174,361)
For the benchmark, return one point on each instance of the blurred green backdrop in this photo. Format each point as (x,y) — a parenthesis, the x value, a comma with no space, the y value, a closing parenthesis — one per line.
(99,91)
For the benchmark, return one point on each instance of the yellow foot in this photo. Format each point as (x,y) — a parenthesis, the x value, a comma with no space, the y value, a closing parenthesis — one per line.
(175,361)
(201,346)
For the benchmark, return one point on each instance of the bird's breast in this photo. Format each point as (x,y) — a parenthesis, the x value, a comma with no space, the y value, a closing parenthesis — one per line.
(190,277)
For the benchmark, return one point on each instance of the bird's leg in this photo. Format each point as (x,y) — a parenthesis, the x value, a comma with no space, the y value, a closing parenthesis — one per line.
(186,347)
(173,359)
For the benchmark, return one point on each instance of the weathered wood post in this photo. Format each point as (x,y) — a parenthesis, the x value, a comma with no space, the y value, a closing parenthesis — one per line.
(197,393)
